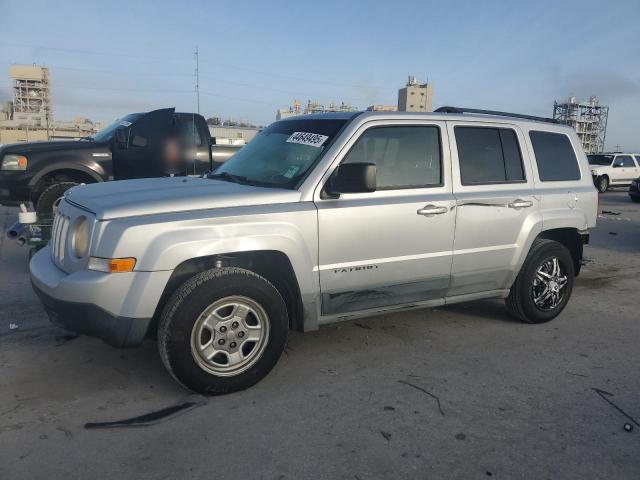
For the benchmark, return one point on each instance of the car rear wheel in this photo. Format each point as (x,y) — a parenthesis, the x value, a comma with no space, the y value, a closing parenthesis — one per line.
(602,183)
(544,285)
(223,331)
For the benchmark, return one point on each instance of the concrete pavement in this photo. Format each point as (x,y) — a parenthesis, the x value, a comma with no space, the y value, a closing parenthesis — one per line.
(456,392)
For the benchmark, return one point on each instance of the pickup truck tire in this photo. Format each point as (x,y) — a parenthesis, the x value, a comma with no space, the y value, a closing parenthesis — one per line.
(50,197)
(203,325)
(602,183)
(544,285)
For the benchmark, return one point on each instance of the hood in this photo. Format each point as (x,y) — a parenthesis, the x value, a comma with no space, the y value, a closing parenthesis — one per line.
(130,198)
(51,146)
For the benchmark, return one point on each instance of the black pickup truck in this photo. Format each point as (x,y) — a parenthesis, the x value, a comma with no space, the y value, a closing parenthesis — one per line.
(139,145)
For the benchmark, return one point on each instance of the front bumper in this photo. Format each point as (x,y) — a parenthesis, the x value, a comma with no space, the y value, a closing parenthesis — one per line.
(116,307)
(14,187)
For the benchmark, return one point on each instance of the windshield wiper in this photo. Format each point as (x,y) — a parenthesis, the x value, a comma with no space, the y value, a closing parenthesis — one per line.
(230,177)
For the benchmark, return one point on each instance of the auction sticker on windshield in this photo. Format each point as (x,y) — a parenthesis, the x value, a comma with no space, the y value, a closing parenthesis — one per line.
(304,138)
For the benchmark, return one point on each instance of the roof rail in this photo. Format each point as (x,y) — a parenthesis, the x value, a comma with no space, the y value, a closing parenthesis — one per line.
(494,112)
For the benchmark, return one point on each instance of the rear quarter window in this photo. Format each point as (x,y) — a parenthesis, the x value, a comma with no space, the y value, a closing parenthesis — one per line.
(555,156)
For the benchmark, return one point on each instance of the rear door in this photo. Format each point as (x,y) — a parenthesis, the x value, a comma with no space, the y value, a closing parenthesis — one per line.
(494,192)
(391,247)
(624,169)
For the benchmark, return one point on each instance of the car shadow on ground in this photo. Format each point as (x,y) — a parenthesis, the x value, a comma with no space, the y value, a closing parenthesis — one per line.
(494,310)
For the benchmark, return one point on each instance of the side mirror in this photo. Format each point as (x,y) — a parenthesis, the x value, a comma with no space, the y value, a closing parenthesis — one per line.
(121,135)
(353,178)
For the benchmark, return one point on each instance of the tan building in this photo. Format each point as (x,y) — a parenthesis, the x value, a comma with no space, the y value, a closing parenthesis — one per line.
(382,108)
(29,116)
(415,97)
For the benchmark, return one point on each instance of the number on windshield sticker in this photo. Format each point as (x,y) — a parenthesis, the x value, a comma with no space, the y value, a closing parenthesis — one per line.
(304,138)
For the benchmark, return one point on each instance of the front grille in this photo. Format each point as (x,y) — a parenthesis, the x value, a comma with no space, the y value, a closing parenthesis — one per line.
(59,238)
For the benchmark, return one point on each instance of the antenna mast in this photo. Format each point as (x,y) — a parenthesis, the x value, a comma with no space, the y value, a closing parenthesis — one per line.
(197,79)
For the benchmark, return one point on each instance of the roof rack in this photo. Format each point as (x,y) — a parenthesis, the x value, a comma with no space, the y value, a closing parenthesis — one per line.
(494,112)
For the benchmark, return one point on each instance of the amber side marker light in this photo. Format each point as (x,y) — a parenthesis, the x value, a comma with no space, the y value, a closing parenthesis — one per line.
(112,265)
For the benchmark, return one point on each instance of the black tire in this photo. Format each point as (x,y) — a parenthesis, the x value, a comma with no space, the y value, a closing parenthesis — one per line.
(635,199)
(602,183)
(187,304)
(51,195)
(520,301)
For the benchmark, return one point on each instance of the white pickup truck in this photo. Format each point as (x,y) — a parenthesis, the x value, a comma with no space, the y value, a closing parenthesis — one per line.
(610,169)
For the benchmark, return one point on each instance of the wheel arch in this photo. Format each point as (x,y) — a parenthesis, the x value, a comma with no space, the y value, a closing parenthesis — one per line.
(70,172)
(572,239)
(91,170)
(275,266)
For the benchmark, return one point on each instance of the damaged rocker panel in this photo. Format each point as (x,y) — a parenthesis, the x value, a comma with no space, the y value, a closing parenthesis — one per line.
(383,296)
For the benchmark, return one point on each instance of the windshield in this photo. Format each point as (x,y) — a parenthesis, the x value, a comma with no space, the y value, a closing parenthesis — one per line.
(600,159)
(281,154)
(106,133)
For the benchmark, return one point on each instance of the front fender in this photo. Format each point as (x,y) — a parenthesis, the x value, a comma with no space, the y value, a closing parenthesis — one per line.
(162,242)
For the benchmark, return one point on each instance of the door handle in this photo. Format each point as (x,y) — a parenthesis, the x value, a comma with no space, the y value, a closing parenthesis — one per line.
(519,203)
(431,210)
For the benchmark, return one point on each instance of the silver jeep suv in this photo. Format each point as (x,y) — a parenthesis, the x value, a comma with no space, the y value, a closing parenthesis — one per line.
(322,218)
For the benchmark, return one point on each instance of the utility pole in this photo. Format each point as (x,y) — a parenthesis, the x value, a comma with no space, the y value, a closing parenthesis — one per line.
(197,79)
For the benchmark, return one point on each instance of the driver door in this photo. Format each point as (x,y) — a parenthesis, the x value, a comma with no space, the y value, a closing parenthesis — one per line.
(141,155)
(391,247)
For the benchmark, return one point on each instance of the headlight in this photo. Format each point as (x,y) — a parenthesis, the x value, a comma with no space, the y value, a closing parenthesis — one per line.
(80,237)
(14,162)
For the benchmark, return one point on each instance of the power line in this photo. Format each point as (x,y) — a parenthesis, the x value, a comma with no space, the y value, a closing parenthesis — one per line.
(155,90)
(90,52)
(218,64)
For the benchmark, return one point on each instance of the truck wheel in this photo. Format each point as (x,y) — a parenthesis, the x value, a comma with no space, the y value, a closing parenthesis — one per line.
(544,284)
(602,183)
(222,331)
(51,197)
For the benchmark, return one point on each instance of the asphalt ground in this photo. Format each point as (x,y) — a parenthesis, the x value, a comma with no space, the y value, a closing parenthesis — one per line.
(456,392)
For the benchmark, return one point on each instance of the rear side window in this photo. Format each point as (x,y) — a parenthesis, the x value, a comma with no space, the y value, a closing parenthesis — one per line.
(555,157)
(624,161)
(488,155)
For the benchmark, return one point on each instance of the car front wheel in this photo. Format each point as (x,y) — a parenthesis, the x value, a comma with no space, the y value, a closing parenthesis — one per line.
(544,285)
(223,331)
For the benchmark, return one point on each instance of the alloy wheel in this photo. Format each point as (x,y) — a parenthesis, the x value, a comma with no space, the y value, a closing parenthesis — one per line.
(549,285)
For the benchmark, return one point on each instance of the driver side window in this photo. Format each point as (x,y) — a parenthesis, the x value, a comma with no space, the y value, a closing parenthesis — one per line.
(405,157)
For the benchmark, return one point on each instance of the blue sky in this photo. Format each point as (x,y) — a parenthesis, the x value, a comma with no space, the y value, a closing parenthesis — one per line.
(109,58)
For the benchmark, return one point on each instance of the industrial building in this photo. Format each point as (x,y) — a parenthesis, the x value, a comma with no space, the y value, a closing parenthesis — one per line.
(415,97)
(29,116)
(312,107)
(232,135)
(589,119)
(382,108)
